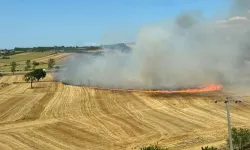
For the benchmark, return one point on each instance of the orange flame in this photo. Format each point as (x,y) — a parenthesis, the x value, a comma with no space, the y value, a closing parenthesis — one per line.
(207,88)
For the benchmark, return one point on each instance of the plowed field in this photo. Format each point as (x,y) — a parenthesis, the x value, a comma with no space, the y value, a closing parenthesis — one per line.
(57,116)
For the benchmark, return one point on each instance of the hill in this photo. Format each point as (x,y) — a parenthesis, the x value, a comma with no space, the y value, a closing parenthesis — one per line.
(41,57)
(58,116)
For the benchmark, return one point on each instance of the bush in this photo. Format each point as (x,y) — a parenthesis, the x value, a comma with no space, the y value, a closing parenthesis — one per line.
(153,147)
(5,57)
(240,138)
(209,148)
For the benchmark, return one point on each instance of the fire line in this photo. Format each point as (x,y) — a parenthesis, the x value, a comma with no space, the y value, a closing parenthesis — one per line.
(207,88)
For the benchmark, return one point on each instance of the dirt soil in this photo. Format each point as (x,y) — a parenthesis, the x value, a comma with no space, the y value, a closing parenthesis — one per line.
(57,116)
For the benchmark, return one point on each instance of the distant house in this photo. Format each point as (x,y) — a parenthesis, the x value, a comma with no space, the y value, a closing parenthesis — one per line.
(4,51)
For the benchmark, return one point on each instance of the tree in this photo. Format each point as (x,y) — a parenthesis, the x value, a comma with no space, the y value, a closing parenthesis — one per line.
(13,66)
(240,138)
(29,77)
(51,63)
(37,74)
(35,64)
(28,66)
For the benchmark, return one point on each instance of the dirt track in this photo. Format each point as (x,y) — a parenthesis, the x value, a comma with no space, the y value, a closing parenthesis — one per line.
(57,116)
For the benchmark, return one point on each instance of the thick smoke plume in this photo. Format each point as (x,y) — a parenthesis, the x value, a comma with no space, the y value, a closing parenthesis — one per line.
(191,51)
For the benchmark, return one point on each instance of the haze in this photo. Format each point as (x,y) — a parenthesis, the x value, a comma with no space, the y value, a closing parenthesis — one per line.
(190,51)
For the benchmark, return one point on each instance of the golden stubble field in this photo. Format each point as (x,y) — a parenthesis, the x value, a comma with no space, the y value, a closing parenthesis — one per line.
(57,116)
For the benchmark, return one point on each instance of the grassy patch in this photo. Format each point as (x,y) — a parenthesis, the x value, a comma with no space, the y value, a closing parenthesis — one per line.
(21,67)
(25,56)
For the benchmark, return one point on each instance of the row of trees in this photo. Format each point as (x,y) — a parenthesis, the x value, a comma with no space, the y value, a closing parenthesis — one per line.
(51,64)
(55,48)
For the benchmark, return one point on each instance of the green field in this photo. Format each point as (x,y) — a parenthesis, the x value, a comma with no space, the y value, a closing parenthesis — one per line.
(25,56)
(21,58)
(21,67)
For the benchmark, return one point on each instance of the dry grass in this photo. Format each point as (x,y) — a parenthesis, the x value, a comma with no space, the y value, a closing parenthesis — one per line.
(57,116)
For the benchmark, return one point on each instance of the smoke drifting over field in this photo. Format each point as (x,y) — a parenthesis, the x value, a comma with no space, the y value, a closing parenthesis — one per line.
(188,52)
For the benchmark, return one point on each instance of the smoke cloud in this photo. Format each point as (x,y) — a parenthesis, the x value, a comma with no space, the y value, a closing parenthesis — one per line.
(191,51)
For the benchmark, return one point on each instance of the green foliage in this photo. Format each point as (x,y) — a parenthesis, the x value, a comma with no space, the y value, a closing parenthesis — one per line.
(209,148)
(13,66)
(56,48)
(5,57)
(240,138)
(153,147)
(21,49)
(28,66)
(34,63)
(37,74)
(51,63)
(29,77)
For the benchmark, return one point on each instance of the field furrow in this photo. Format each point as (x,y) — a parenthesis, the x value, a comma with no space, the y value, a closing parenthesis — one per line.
(56,116)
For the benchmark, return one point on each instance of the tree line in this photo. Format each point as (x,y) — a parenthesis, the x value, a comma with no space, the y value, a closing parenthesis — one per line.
(51,64)
(55,48)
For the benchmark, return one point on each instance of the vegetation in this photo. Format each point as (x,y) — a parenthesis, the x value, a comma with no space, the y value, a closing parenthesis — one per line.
(34,63)
(26,56)
(56,48)
(5,57)
(209,148)
(153,147)
(51,63)
(13,66)
(37,74)
(28,66)
(21,67)
(29,77)
(240,138)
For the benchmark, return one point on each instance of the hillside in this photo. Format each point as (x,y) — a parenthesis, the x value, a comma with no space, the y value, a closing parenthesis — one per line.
(57,116)
(41,57)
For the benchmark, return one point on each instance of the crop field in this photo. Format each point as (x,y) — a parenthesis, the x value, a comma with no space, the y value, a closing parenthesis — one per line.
(57,116)
(41,57)
(26,56)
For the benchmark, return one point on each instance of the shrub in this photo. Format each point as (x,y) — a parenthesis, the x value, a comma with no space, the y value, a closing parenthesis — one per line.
(153,147)
(240,138)
(209,148)
(5,57)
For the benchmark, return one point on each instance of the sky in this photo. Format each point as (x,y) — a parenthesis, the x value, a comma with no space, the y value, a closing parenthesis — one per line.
(28,23)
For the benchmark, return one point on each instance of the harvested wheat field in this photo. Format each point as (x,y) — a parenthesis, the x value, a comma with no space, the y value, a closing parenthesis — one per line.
(57,116)
(58,56)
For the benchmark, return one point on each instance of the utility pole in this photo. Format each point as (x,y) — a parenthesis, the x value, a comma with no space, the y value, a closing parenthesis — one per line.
(229,125)
(229,121)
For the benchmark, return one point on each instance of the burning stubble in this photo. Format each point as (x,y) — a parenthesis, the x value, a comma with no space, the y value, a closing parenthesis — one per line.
(188,52)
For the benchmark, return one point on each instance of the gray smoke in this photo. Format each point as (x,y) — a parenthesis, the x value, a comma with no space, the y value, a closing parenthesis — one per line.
(190,51)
